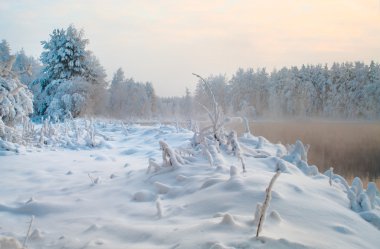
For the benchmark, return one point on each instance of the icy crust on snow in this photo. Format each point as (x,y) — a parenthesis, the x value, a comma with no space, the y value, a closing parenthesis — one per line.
(105,197)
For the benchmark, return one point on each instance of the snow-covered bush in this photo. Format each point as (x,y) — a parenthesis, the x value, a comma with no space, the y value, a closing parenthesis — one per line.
(364,202)
(297,154)
(361,200)
(169,156)
(66,97)
(15,103)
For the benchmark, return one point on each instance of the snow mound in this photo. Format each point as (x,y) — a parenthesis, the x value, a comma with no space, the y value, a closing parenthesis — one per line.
(9,243)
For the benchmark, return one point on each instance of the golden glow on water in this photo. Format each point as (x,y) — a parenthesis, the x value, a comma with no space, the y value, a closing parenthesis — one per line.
(352,148)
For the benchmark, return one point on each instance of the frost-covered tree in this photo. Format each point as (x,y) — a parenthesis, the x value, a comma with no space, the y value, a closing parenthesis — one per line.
(117,94)
(27,67)
(152,98)
(5,51)
(249,91)
(131,99)
(188,104)
(73,81)
(346,90)
(65,54)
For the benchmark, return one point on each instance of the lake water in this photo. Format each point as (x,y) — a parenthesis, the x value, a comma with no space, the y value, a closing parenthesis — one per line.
(352,148)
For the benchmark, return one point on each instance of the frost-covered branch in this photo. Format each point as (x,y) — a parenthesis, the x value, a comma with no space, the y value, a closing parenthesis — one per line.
(169,156)
(235,147)
(216,114)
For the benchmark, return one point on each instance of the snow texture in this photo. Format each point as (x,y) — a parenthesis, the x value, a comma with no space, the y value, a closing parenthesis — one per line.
(191,205)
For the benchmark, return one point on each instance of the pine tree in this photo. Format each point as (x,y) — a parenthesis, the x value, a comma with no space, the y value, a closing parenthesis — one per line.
(65,54)
(4,51)
(73,81)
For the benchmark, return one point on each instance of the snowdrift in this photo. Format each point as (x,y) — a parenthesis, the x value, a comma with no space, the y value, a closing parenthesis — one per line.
(110,185)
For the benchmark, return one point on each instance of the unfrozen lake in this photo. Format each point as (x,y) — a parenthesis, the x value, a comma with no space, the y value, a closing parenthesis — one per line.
(352,148)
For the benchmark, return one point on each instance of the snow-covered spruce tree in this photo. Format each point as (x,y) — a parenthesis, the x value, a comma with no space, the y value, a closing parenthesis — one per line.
(72,77)
(5,51)
(65,54)
(15,103)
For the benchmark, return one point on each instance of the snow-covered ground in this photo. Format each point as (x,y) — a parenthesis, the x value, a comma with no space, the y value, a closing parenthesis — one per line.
(103,197)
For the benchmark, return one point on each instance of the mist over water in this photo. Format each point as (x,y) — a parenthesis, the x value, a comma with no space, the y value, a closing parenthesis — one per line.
(352,148)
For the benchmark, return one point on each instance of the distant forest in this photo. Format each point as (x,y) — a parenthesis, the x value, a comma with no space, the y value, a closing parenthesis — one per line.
(348,90)
(68,80)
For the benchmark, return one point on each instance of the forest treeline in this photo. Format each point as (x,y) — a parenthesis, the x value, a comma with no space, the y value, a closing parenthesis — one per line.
(69,81)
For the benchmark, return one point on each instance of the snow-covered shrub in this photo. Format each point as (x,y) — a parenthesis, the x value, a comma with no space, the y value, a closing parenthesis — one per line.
(363,202)
(360,200)
(67,97)
(371,192)
(62,98)
(215,114)
(15,103)
(169,156)
(297,154)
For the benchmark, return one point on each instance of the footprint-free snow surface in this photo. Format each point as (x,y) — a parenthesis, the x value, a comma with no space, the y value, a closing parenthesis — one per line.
(105,197)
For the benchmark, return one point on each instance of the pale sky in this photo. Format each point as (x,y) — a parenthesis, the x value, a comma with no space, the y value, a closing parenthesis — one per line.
(165,41)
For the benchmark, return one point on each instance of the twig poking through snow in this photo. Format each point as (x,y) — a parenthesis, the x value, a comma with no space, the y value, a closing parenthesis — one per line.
(235,147)
(246,125)
(27,234)
(92,179)
(331,175)
(159,208)
(265,205)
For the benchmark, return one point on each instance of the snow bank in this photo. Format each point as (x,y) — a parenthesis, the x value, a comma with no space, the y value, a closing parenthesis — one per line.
(158,191)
